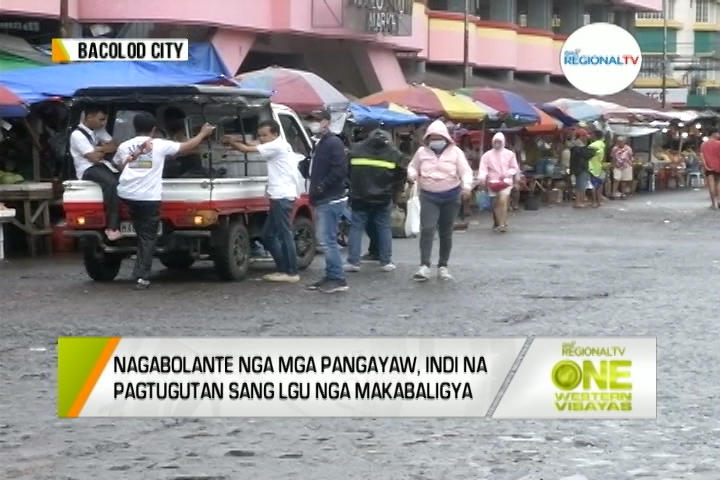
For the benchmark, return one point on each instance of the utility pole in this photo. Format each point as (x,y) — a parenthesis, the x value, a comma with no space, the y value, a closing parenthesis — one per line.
(663,92)
(64,19)
(466,46)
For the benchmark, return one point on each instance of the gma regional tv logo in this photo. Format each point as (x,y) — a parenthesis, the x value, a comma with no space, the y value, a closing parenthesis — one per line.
(593,379)
(65,50)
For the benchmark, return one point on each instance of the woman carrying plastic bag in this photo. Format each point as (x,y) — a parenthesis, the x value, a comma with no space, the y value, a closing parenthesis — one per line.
(443,176)
(412,216)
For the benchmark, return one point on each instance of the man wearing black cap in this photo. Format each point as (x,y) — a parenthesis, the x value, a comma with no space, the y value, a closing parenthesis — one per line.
(376,177)
(373,253)
(328,194)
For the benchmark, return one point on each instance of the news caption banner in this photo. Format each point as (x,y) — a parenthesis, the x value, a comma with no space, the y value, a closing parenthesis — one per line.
(584,378)
(282,377)
(65,50)
(540,378)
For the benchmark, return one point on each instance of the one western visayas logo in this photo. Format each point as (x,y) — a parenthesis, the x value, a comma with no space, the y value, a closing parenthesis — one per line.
(576,57)
(592,379)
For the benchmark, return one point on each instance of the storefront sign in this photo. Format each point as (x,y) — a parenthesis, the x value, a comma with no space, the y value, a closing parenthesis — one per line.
(32,30)
(385,17)
(673,96)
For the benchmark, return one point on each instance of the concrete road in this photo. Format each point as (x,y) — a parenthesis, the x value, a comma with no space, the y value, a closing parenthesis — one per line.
(647,266)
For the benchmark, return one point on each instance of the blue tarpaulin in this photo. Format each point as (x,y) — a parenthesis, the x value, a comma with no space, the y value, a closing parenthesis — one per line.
(203,56)
(35,85)
(363,114)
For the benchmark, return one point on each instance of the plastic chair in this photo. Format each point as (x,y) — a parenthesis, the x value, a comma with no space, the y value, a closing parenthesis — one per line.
(695,175)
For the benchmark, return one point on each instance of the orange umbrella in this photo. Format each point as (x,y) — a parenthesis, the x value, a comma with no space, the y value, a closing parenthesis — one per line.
(547,123)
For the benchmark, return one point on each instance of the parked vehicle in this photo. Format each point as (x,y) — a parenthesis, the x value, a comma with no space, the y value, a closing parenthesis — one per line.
(215,212)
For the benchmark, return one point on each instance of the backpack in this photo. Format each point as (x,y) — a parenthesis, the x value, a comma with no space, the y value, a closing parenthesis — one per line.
(60,147)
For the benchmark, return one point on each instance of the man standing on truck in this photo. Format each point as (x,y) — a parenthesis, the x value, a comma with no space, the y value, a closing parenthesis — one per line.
(89,143)
(328,194)
(141,160)
(282,188)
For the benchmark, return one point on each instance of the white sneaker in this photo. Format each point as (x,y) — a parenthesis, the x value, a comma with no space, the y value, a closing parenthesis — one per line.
(423,274)
(349,267)
(444,274)
(389,267)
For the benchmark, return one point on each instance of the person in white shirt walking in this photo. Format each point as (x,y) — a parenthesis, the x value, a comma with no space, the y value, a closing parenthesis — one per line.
(282,165)
(89,143)
(141,160)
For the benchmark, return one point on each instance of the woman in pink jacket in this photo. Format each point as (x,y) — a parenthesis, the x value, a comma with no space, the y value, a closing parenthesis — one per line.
(443,177)
(499,171)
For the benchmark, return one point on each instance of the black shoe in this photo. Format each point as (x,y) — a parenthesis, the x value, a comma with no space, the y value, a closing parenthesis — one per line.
(335,286)
(317,285)
(369,257)
(142,284)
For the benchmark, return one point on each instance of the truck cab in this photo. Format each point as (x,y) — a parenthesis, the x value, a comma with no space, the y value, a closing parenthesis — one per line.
(212,211)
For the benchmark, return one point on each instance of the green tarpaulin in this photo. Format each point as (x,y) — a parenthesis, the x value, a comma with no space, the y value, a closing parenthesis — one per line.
(11,62)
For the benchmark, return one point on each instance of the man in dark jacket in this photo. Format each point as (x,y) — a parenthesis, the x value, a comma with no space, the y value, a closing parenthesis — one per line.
(328,171)
(376,176)
(580,156)
(373,253)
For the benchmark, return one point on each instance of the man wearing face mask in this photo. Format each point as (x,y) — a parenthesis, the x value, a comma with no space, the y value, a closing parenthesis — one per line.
(328,194)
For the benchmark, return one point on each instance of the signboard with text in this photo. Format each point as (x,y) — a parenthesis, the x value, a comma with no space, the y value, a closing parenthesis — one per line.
(673,96)
(384,17)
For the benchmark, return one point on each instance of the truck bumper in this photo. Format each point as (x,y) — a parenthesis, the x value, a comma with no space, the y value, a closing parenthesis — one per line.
(170,242)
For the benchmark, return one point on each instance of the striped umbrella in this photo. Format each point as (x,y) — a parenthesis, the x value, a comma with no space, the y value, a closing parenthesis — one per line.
(510,105)
(11,105)
(546,124)
(300,90)
(577,109)
(432,102)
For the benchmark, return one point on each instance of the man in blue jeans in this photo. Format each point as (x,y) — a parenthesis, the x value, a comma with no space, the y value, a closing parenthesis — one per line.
(376,176)
(282,165)
(328,194)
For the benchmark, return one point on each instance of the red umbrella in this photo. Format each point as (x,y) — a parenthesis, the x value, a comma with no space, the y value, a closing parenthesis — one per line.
(8,98)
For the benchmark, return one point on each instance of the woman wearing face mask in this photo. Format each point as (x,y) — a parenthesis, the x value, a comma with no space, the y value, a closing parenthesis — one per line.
(444,177)
(499,172)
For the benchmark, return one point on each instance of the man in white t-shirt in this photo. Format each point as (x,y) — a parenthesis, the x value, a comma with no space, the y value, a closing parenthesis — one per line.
(89,143)
(141,161)
(283,174)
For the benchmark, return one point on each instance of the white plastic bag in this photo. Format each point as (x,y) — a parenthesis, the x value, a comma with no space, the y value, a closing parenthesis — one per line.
(412,219)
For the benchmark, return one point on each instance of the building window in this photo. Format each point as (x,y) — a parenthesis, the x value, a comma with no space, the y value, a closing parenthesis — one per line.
(482,9)
(707,69)
(651,67)
(658,15)
(702,11)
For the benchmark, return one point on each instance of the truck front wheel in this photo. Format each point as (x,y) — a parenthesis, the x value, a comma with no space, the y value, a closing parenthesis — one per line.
(304,235)
(232,251)
(100,266)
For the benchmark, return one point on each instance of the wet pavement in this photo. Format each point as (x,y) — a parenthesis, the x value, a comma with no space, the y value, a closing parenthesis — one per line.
(647,266)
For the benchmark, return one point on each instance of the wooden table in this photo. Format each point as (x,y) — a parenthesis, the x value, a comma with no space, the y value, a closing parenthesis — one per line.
(34,198)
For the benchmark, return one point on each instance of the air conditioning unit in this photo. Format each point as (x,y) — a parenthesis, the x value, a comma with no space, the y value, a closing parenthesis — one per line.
(586,19)
(556,22)
(522,20)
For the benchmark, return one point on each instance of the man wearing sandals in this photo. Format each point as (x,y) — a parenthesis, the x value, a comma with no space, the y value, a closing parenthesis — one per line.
(499,172)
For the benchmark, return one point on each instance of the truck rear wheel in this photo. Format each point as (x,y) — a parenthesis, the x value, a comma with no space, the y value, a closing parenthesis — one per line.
(232,252)
(101,266)
(304,235)
(177,260)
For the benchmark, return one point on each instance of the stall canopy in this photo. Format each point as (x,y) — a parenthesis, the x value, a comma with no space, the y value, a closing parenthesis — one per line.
(363,114)
(44,83)
(10,62)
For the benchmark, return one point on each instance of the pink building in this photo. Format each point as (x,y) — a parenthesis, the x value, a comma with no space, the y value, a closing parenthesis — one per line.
(360,45)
